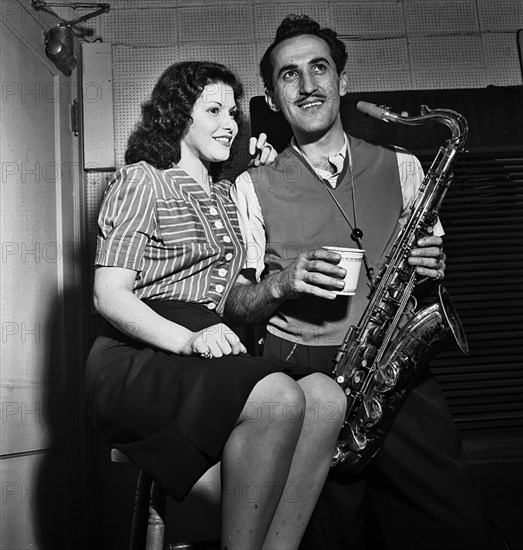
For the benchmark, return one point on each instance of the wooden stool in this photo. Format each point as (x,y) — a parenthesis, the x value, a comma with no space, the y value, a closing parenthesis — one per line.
(148,528)
(149,510)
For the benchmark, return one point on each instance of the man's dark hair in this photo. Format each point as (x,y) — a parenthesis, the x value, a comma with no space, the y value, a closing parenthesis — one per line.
(167,115)
(297,25)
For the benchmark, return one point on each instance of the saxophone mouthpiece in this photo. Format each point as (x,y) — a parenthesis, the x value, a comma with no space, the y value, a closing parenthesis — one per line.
(373,110)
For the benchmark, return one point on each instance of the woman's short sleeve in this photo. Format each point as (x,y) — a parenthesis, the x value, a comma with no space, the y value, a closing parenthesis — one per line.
(126,220)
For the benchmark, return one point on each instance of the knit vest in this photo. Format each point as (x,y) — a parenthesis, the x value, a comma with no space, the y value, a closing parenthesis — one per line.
(300,215)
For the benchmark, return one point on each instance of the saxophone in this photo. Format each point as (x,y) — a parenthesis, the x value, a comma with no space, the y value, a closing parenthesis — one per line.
(380,358)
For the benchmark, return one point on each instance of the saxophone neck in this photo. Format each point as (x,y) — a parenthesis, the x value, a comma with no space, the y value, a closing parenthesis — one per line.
(456,122)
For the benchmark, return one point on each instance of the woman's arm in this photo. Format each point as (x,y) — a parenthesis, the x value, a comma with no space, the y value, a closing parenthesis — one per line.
(115,301)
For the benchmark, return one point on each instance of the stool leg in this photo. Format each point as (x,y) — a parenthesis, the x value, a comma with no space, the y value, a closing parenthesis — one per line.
(156,527)
(140,515)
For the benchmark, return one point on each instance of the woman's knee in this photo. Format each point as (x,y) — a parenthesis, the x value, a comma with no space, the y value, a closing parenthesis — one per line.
(325,396)
(277,397)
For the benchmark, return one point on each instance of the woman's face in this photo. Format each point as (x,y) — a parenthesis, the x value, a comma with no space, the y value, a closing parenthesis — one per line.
(210,136)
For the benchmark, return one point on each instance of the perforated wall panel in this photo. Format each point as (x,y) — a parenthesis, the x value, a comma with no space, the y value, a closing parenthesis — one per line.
(216,23)
(367,18)
(501,50)
(377,55)
(433,17)
(128,97)
(445,52)
(140,26)
(141,4)
(369,82)
(142,62)
(268,16)
(500,15)
(212,3)
(444,79)
(504,77)
(241,57)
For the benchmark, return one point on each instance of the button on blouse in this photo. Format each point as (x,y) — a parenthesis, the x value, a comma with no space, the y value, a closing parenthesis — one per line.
(162,224)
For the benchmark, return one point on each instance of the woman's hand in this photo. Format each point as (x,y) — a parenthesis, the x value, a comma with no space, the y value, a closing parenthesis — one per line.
(214,341)
(261,151)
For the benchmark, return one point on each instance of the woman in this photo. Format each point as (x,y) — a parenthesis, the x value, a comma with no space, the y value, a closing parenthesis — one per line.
(168,383)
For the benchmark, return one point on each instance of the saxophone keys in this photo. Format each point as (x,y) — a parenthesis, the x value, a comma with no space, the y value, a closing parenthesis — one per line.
(357,442)
(357,379)
(373,412)
(386,377)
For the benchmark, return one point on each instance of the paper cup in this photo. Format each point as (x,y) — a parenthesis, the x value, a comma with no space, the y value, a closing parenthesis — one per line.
(351,260)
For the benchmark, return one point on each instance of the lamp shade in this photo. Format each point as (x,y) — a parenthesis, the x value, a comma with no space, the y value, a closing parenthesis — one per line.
(59,47)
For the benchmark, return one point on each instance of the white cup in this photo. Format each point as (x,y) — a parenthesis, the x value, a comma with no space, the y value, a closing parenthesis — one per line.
(351,260)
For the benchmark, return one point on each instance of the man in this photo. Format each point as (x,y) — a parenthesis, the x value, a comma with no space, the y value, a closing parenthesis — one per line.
(324,187)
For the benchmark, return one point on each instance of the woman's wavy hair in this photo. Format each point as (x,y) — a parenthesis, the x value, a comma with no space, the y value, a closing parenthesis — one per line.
(297,25)
(166,116)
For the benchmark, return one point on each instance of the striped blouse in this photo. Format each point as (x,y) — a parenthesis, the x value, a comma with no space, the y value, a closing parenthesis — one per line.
(183,244)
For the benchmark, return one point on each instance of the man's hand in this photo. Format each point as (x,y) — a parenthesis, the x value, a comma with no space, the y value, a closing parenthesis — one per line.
(313,273)
(429,258)
(261,151)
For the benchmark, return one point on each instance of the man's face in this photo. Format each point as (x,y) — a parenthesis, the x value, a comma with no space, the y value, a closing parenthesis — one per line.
(307,87)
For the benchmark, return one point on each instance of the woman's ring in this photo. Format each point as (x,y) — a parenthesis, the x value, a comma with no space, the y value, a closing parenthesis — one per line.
(205,354)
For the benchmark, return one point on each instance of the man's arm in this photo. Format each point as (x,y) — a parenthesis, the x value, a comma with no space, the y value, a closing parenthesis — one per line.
(313,273)
(250,302)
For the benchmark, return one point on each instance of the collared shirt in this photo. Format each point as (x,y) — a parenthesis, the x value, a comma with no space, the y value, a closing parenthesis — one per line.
(251,218)
(183,244)
(337,160)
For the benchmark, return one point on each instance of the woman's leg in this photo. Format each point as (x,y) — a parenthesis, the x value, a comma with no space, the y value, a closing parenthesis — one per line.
(257,458)
(276,460)
(324,414)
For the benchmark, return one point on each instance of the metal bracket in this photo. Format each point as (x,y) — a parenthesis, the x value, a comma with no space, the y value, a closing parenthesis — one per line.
(101,8)
(75,119)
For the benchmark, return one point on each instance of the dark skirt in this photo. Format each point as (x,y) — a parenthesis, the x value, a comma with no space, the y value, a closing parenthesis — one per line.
(171,415)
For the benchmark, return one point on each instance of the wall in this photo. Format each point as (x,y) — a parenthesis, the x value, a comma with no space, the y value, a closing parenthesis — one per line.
(392,44)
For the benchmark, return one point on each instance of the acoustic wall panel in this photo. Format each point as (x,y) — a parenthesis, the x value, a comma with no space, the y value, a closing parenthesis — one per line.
(448,52)
(216,23)
(128,97)
(140,26)
(377,55)
(150,62)
(500,50)
(500,15)
(140,4)
(367,18)
(268,16)
(504,77)
(240,57)
(379,81)
(212,3)
(435,17)
(448,79)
